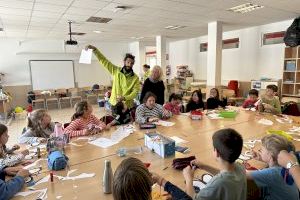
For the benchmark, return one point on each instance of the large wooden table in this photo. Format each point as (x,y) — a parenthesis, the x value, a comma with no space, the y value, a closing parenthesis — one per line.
(90,159)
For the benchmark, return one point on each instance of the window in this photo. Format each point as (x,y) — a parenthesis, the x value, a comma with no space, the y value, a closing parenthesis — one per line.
(231,43)
(203,47)
(273,38)
(227,44)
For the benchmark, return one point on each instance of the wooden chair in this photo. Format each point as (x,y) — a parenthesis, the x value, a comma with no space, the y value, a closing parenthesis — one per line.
(39,99)
(63,97)
(74,96)
(51,99)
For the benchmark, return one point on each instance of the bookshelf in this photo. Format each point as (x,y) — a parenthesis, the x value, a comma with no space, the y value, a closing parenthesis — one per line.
(291,72)
(183,79)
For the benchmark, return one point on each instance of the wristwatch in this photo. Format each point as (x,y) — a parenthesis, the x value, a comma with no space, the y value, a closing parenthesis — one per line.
(291,164)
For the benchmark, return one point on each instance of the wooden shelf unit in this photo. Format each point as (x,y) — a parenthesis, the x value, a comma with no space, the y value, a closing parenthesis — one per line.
(291,72)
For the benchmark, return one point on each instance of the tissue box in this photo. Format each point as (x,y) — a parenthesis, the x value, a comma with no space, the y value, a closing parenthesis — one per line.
(160,144)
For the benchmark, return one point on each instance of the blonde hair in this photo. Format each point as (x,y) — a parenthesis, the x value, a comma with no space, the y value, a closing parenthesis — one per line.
(132,180)
(34,121)
(275,143)
(157,67)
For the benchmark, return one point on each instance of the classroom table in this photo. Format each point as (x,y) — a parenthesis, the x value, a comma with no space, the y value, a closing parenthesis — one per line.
(90,159)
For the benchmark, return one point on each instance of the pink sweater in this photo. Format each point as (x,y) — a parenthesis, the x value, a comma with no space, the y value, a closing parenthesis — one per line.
(78,126)
(175,109)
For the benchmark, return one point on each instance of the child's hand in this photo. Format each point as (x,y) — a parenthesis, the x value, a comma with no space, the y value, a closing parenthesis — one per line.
(41,140)
(158,179)
(267,106)
(188,174)
(15,147)
(108,126)
(12,171)
(196,163)
(256,155)
(25,152)
(284,157)
(153,119)
(23,172)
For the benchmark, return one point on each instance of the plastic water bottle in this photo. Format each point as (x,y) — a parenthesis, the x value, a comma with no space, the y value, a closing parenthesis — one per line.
(132,150)
(107,177)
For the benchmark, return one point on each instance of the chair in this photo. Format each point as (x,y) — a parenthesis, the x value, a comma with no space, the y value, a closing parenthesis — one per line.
(51,99)
(39,99)
(74,96)
(63,97)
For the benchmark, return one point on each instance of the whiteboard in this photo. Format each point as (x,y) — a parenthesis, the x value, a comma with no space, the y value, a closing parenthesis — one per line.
(94,73)
(52,74)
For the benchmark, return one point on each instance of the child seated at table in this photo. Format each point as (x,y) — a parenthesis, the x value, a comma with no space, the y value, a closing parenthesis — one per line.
(14,185)
(7,156)
(214,101)
(132,180)
(121,115)
(84,122)
(270,102)
(251,100)
(195,102)
(228,183)
(174,104)
(39,127)
(275,182)
(149,111)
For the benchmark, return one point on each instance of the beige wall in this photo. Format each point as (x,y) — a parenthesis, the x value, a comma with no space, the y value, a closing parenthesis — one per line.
(19,94)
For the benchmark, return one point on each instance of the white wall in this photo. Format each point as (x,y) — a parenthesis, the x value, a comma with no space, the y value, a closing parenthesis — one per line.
(16,67)
(250,61)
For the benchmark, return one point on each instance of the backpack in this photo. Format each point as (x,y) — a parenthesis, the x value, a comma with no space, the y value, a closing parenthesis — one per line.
(291,108)
(292,34)
(57,160)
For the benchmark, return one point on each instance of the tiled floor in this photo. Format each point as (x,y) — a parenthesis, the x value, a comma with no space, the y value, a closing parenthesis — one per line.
(16,126)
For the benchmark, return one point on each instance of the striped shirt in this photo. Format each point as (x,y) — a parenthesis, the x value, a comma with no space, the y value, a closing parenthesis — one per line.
(79,126)
(143,113)
(8,159)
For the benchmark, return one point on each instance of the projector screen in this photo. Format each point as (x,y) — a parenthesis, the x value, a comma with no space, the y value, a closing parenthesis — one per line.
(52,74)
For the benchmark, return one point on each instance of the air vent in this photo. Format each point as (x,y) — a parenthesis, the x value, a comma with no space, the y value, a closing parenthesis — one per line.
(1,29)
(76,33)
(98,20)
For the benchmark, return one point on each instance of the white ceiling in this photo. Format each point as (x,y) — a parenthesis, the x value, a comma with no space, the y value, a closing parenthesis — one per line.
(147,18)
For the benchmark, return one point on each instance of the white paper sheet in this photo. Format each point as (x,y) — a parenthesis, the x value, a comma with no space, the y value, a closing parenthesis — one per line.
(42,192)
(265,122)
(164,123)
(43,180)
(86,56)
(34,165)
(103,142)
(214,116)
(178,140)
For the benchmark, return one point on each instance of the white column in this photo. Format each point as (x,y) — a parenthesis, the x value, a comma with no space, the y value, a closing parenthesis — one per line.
(161,48)
(214,54)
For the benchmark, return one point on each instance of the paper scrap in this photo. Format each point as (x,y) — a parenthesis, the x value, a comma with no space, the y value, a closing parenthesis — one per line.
(121,133)
(43,180)
(42,193)
(34,164)
(178,140)
(199,184)
(265,122)
(103,142)
(164,123)
(214,116)
(86,56)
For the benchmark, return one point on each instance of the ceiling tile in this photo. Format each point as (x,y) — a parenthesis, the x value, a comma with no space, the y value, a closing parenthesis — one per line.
(45,14)
(56,2)
(50,7)
(14,11)
(90,4)
(16,4)
(81,11)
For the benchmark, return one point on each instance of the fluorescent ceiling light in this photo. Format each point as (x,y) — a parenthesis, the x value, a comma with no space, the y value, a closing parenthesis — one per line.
(136,38)
(244,8)
(174,27)
(97,31)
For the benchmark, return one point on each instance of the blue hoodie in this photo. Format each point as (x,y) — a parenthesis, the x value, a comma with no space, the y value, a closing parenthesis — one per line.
(10,188)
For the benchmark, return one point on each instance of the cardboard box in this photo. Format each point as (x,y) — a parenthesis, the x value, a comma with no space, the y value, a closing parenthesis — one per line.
(160,144)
